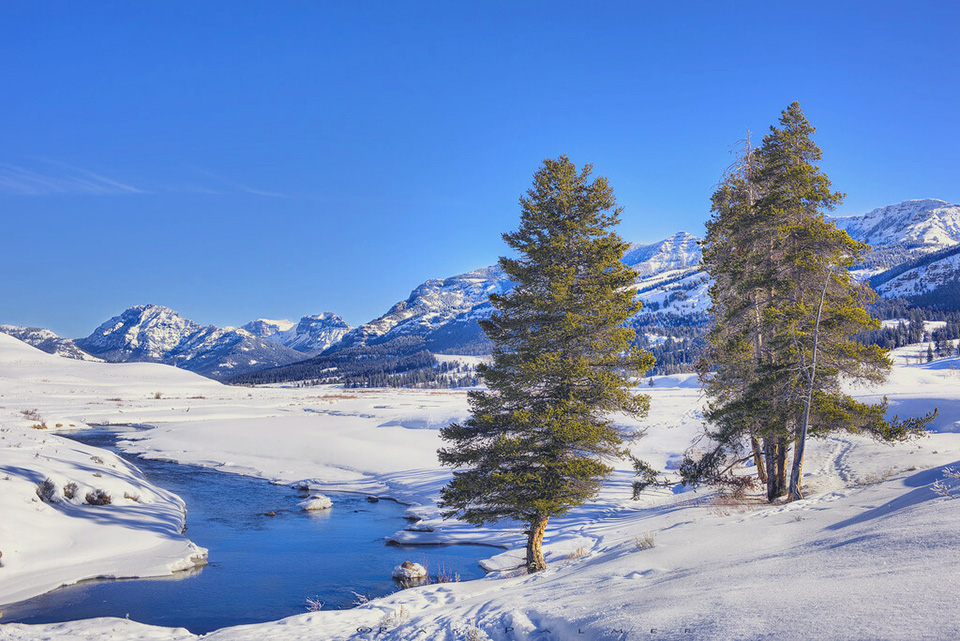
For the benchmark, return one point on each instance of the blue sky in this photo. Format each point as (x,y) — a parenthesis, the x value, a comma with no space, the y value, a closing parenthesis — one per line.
(275,159)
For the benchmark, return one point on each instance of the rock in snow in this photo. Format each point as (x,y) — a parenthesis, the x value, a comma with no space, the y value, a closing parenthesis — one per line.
(409,570)
(315,502)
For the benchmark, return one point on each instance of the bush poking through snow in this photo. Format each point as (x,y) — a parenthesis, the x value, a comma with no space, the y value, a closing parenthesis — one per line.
(395,619)
(70,490)
(33,415)
(579,553)
(645,541)
(315,502)
(314,605)
(941,488)
(473,633)
(99,497)
(47,491)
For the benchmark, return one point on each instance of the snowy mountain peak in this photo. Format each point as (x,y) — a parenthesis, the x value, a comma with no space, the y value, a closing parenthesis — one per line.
(265,327)
(433,304)
(313,334)
(679,251)
(142,332)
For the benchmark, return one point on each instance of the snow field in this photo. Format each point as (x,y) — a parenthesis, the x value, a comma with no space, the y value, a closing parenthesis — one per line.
(872,553)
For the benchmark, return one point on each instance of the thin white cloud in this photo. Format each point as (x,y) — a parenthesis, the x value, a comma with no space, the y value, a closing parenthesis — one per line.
(58,179)
(46,177)
(240,187)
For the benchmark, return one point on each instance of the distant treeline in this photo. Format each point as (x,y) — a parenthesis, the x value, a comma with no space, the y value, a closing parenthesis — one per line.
(685,341)
(400,362)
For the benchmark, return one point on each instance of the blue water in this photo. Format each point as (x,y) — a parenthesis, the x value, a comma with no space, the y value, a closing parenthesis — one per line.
(261,568)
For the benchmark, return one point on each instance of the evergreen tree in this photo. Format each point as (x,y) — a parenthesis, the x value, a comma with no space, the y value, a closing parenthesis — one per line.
(538,438)
(787,311)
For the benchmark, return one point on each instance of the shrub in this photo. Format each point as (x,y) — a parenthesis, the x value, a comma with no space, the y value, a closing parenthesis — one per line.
(579,553)
(47,490)
(645,541)
(70,490)
(98,497)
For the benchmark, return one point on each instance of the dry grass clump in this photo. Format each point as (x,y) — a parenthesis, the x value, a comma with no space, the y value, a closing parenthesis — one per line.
(99,497)
(579,553)
(645,541)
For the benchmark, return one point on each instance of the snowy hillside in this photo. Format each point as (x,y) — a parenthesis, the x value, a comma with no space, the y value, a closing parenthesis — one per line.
(906,230)
(47,341)
(926,277)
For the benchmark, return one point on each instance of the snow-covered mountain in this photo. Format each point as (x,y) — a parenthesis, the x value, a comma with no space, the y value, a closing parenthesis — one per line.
(912,258)
(222,352)
(265,327)
(155,333)
(432,305)
(680,251)
(47,341)
(445,311)
(313,334)
(140,333)
(904,231)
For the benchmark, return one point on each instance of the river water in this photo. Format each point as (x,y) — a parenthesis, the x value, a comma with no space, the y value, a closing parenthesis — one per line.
(261,568)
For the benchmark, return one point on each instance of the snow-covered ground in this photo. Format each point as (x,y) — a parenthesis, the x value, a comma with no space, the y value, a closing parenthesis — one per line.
(873,552)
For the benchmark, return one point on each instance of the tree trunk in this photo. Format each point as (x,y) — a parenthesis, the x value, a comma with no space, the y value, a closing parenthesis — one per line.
(770,454)
(758,459)
(781,466)
(797,471)
(535,561)
(774,450)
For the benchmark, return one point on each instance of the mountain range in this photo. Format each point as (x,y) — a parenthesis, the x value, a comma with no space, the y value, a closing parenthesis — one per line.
(916,256)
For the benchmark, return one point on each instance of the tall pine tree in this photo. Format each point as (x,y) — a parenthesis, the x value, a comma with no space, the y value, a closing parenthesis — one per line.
(539,438)
(786,310)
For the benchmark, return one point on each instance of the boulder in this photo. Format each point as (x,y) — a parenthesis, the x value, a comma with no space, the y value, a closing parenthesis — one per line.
(408,570)
(315,502)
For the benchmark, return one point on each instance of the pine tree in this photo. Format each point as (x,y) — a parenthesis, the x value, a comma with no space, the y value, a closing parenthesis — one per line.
(786,313)
(539,438)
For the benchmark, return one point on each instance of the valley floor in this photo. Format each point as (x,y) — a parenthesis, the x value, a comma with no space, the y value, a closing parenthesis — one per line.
(873,552)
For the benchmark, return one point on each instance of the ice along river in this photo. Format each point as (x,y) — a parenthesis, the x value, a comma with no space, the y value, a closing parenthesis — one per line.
(261,568)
